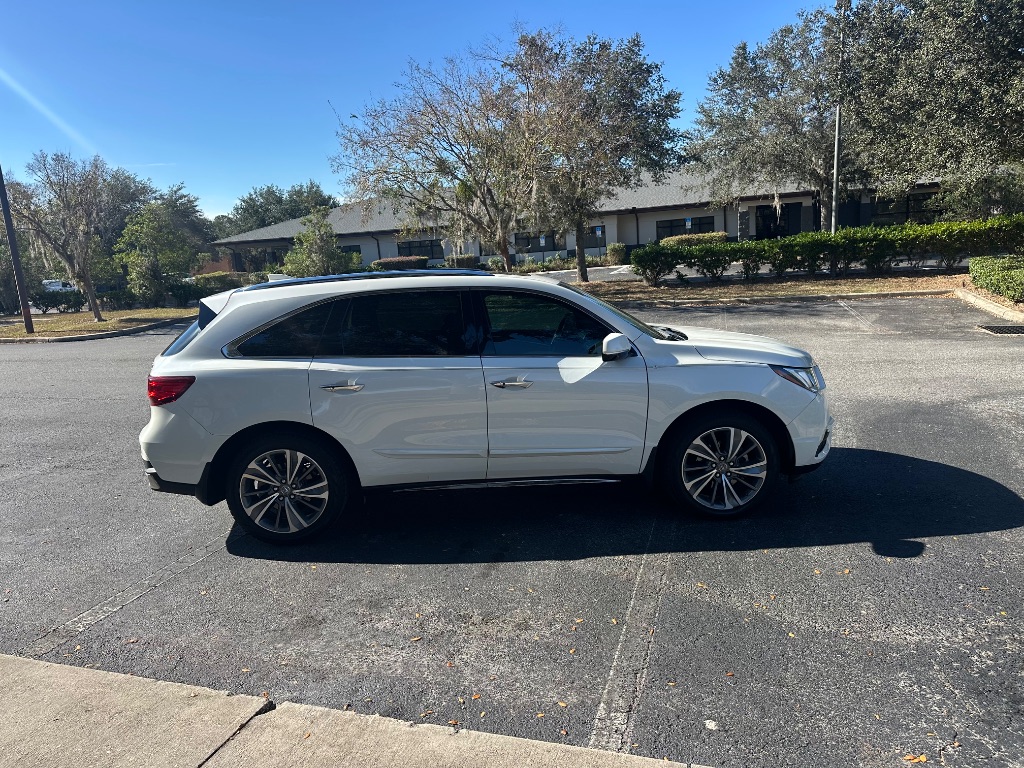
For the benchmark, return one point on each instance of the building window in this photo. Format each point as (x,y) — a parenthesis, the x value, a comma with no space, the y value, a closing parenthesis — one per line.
(698,224)
(432,249)
(595,237)
(537,242)
(771,222)
(914,207)
(352,249)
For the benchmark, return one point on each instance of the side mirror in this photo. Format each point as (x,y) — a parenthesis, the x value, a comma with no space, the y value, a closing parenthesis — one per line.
(615,346)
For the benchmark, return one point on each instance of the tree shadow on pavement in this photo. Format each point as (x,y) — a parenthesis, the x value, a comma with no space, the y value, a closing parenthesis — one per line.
(884,499)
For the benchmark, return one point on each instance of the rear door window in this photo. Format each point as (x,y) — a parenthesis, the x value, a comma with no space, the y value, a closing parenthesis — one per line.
(403,324)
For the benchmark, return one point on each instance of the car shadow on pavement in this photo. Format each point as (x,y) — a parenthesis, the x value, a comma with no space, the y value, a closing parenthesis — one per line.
(883,499)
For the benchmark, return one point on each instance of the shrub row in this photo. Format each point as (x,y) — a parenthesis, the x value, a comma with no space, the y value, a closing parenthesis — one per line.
(697,238)
(1004,276)
(400,262)
(62,301)
(878,249)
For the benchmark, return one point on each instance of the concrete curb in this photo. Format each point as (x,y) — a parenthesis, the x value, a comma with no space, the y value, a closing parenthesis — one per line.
(989,306)
(64,717)
(102,335)
(742,300)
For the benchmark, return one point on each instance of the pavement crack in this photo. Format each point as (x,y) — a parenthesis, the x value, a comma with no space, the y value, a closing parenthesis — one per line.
(61,634)
(268,706)
(953,744)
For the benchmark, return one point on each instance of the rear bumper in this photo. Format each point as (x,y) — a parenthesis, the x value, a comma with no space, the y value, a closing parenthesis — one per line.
(200,490)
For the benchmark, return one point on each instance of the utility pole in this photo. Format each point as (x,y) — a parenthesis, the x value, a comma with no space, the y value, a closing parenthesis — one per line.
(19,276)
(841,7)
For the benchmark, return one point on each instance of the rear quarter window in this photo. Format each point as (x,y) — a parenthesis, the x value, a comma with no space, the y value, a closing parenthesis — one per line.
(182,341)
(297,335)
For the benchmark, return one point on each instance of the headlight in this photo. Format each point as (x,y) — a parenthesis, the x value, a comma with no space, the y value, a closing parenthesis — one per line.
(808,378)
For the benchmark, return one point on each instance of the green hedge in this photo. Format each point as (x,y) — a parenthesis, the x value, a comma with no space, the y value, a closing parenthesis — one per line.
(62,301)
(617,253)
(698,238)
(655,261)
(878,249)
(215,282)
(462,262)
(400,262)
(1004,276)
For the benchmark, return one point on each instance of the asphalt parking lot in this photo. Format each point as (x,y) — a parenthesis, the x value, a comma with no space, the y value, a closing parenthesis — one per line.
(874,612)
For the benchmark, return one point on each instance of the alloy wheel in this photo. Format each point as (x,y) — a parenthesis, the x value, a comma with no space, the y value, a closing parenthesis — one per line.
(283,491)
(724,468)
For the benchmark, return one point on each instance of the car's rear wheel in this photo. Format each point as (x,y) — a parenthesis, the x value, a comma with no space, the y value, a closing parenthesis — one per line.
(287,488)
(722,465)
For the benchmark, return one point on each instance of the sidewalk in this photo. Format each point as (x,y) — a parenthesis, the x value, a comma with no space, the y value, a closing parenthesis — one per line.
(57,716)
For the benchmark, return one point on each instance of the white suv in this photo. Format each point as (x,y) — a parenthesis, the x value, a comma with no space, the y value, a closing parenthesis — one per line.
(287,398)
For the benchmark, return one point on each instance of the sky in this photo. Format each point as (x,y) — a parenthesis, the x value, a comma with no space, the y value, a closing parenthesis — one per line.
(224,96)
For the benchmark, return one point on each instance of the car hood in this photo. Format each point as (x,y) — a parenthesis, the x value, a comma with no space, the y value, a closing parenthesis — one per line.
(744,348)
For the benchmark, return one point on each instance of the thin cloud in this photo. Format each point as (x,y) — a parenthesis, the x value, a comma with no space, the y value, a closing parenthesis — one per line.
(48,113)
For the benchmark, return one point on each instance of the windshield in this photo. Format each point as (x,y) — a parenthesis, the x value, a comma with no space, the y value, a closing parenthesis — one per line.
(640,325)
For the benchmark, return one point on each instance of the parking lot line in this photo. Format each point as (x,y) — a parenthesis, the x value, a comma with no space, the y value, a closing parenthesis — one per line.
(59,635)
(613,724)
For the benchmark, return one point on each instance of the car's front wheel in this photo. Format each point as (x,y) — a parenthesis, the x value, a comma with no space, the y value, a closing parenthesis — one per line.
(722,465)
(286,488)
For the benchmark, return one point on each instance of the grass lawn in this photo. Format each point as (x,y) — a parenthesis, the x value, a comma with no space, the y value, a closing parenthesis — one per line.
(672,290)
(76,323)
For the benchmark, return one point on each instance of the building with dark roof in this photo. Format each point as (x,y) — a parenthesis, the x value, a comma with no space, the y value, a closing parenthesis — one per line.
(648,213)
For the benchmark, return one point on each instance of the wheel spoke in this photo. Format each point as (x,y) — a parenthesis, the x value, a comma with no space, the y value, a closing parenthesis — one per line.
(689,485)
(700,449)
(760,468)
(295,521)
(737,437)
(311,491)
(295,460)
(259,509)
(255,472)
(728,489)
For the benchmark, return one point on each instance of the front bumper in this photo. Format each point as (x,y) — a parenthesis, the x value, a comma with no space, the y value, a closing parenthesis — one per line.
(811,433)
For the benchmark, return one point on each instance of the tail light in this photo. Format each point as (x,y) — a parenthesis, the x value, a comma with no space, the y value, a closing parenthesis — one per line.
(166,389)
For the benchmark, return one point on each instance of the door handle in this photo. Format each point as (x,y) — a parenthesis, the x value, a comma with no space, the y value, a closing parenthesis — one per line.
(517,383)
(350,386)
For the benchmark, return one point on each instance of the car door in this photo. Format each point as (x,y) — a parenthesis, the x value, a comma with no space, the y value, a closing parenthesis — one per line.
(554,407)
(397,380)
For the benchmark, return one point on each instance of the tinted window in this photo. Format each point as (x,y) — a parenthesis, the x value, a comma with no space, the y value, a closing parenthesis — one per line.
(416,323)
(295,336)
(182,341)
(529,324)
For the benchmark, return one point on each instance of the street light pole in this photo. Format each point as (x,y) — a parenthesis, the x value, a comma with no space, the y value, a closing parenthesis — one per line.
(835,168)
(841,6)
(19,276)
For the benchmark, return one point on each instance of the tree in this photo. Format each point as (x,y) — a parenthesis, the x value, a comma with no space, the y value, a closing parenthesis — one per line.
(768,120)
(32,267)
(454,152)
(535,136)
(267,205)
(70,208)
(939,88)
(606,121)
(316,250)
(163,243)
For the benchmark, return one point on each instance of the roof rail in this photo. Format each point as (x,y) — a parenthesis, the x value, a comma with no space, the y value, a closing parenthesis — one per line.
(366,276)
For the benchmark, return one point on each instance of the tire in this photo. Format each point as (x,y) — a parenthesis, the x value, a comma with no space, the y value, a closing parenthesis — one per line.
(706,475)
(286,488)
